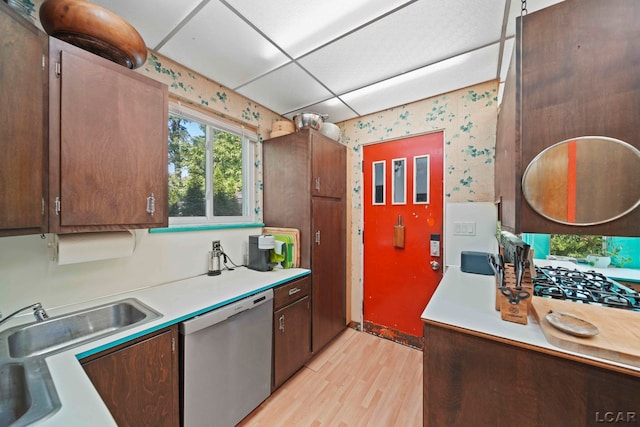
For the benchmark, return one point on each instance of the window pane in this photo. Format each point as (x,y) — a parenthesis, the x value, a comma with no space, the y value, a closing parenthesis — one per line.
(378,183)
(399,181)
(187,167)
(227,174)
(421,179)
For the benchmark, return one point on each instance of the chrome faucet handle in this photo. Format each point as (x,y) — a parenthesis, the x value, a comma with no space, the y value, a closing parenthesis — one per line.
(39,312)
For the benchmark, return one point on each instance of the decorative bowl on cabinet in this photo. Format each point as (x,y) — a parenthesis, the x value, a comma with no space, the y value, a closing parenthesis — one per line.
(94,29)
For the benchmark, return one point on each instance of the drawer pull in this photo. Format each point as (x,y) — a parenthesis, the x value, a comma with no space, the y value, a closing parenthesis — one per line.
(294,291)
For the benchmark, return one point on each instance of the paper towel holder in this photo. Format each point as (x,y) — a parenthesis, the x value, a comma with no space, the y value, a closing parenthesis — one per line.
(53,245)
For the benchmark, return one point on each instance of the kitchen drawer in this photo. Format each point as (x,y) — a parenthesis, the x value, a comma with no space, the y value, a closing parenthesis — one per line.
(290,292)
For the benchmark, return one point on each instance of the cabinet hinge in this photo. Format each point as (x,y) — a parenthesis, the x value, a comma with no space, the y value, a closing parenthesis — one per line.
(58,69)
(57,206)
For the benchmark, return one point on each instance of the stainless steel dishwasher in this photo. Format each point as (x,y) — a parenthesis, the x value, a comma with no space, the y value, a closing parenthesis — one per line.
(226,362)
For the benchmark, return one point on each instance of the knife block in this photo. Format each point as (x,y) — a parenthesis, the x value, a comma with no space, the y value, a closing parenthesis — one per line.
(519,312)
(510,279)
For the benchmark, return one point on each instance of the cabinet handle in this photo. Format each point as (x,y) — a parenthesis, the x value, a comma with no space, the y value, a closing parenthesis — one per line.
(281,320)
(151,204)
(318,237)
(293,291)
(318,183)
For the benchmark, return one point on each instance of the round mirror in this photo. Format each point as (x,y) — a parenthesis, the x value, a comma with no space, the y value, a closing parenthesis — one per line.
(584,181)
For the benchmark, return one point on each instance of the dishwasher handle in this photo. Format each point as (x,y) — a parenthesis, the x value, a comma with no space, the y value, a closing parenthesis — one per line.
(223,313)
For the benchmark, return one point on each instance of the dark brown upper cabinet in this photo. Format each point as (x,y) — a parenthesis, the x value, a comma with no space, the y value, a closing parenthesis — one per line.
(574,74)
(23,85)
(84,140)
(304,175)
(107,144)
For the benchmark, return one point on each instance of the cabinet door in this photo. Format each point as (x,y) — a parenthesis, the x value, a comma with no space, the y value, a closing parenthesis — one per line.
(328,267)
(291,339)
(139,382)
(22,139)
(109,144)
(328,167)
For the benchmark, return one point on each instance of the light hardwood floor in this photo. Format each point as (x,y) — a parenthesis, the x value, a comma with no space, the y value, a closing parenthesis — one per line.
(357,380)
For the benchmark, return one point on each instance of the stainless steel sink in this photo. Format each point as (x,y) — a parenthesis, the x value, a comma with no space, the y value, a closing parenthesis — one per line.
(13,386)
(79,327)
(27,392)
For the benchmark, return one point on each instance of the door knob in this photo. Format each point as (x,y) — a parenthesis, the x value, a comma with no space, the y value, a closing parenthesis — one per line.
(435,265)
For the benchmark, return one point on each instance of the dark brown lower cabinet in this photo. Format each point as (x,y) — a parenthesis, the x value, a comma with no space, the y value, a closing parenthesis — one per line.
(138,381)
(471,380)
(291,329)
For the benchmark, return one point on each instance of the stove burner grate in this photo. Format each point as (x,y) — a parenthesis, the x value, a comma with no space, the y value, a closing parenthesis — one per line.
(588,287)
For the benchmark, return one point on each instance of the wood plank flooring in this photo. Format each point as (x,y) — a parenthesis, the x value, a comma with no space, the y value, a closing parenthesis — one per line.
(357,380)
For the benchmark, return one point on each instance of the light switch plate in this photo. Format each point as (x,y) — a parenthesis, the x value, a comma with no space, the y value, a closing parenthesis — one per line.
(464,228)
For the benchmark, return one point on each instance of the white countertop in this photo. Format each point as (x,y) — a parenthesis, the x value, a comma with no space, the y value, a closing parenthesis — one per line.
(177,301)
(467,301)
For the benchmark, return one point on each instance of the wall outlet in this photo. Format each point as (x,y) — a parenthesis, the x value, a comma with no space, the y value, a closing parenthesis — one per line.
(215,244)
(464,228)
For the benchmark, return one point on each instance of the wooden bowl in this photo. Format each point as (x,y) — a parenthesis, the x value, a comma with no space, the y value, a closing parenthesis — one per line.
(95,29)
(283,125)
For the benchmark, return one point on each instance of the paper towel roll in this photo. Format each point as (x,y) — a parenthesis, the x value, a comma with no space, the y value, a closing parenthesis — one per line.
(85,247)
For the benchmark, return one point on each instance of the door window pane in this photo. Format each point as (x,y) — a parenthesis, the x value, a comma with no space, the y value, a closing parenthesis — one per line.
(378,183)
(399,183)
(421,179)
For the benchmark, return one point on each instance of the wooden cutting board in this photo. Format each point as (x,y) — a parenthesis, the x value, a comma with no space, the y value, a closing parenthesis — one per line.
(296,240)
(619,337)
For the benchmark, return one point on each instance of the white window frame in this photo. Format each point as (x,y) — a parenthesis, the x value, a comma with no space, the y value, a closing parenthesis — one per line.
(249,139)
(415,173)
(384,183)
(393,181)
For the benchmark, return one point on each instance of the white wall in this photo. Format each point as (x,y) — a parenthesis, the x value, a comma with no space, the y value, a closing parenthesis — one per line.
(28,274)
(483,216)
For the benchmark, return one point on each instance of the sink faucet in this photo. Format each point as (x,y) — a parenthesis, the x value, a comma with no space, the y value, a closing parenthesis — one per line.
(39,313)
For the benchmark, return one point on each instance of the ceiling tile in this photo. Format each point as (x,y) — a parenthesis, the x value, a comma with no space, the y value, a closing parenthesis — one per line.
(334,108)
(299,26)
(419,34)
(220,45)
(461,71)
(285,89)
(153,27)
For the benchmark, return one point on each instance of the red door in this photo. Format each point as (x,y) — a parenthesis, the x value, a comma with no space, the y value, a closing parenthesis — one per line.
(403,182)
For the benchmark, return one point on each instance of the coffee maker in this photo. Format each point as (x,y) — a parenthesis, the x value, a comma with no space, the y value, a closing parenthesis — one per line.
(260,249)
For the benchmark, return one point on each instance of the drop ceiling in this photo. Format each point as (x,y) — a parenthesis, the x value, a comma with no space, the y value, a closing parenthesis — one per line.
(336,57)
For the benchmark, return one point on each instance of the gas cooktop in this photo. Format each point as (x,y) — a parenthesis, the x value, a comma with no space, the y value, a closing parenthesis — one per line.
(587,287)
